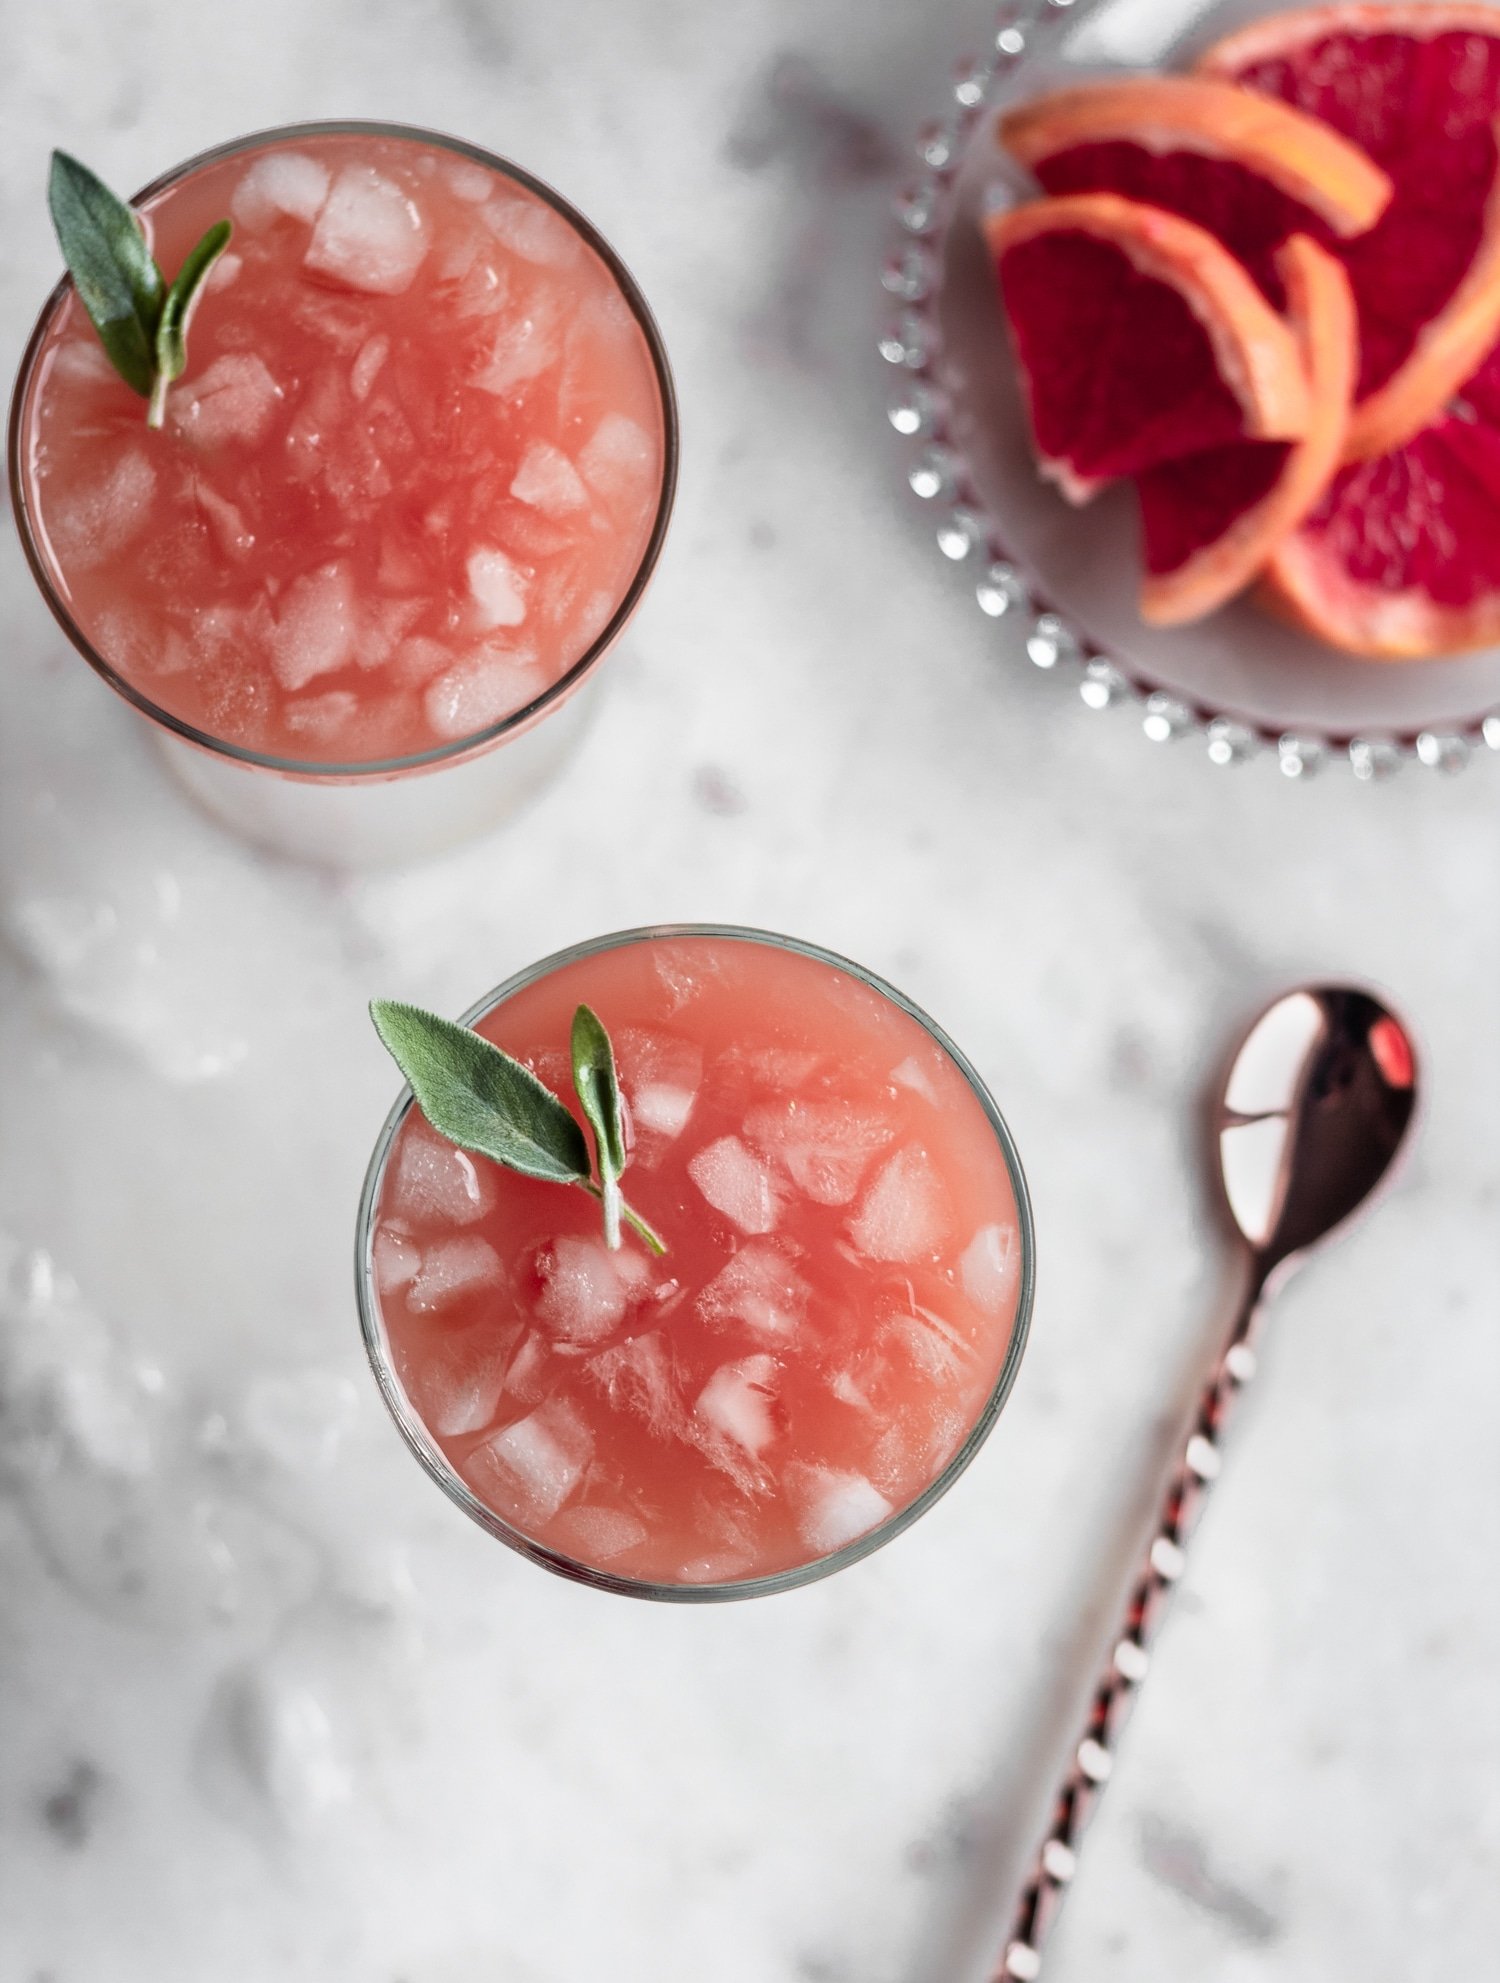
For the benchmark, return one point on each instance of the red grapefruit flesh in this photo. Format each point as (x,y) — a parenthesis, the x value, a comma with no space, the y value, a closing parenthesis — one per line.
(1139,339)
(1418,89)
(1249,169)
(1401,558)
(1210,523)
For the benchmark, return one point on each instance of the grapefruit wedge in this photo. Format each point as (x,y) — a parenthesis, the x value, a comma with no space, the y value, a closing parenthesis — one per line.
(1211,522)
(1250,169)
(1417,87)
(1401,557)
(1139,338)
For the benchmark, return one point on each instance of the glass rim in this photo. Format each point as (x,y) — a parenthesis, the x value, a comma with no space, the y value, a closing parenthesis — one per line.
(438,1467)
(28,525)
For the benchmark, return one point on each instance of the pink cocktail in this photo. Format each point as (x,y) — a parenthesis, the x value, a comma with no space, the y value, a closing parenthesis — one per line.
(406,494)
(829,1336)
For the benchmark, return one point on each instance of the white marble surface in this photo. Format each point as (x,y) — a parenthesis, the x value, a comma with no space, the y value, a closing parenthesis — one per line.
(269,1707)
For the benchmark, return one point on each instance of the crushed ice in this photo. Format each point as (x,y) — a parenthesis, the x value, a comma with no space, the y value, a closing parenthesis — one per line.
(736,1183)
(453,1270)
(369,234)
(433,1180)
(534,1464)
(280,183)
(904,1214)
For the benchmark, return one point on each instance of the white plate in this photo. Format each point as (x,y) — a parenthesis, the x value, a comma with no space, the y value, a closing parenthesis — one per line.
(1239,678)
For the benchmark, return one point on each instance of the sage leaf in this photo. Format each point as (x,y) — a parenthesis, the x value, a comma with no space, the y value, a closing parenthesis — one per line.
(177,309)
(598,1086)
(118,282)
(479,1098)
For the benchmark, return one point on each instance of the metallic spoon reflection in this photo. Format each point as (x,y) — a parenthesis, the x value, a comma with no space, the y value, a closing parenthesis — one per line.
(1318,1101)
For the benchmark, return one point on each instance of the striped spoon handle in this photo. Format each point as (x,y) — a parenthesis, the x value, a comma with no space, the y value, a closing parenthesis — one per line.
(1093,1758)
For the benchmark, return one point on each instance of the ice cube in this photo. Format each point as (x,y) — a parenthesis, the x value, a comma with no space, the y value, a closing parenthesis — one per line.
(225,272)
(598,1535)
(452,1269)
(471,183)
(484,291)
(620,460)
(525,1373)
(84,359)
(377,451)
(123,638)
(724,1567)
(583,1298)
(904,1214)
(100,517)
(658,1105)
(226,520)
(660,1076)
(736,1183)
(759,1289)
(737,1402)
(369,234)
(384,624)
(401,567)
(836,1508)
(535,541)
(593,616)
(937,1349)
(851,1387)
(783,1067)
(497,588)
(315,627)
(533,1466)
(417,660)
(680,980)
(233,399)
(944,1440)
(435,1181)
(826,1147)
(279,182)
(531,230)
(372,355)
(525,347)
(988,1267)
(322,409)
(639,1377)
(457,1385)
(913,1075)
(397,1259)
(337,321)
(485,688)
(549,482)
(322,719)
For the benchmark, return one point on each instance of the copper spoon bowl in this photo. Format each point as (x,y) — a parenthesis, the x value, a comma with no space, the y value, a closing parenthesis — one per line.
(1318,1101)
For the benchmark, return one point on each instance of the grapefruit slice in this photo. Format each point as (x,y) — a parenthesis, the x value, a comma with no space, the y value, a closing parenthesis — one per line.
(1211,522)
(1139,338)
(1401,558)
(1418,89)
(1250,169)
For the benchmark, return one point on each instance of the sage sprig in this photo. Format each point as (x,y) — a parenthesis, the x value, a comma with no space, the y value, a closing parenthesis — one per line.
(480,1099)
(598,1089)
(142,321)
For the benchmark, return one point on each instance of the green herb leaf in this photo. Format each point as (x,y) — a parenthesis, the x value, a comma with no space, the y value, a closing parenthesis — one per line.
(177,310)
(598,1088)
(479,1098)
(118,283)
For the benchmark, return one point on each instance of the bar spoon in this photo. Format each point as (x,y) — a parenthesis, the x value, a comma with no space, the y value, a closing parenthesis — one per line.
(1317,1102)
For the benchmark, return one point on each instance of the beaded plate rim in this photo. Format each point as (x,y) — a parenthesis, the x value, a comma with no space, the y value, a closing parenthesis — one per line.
(967,534)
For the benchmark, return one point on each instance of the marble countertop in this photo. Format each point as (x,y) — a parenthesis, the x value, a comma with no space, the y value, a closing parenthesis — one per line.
(269,1707)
